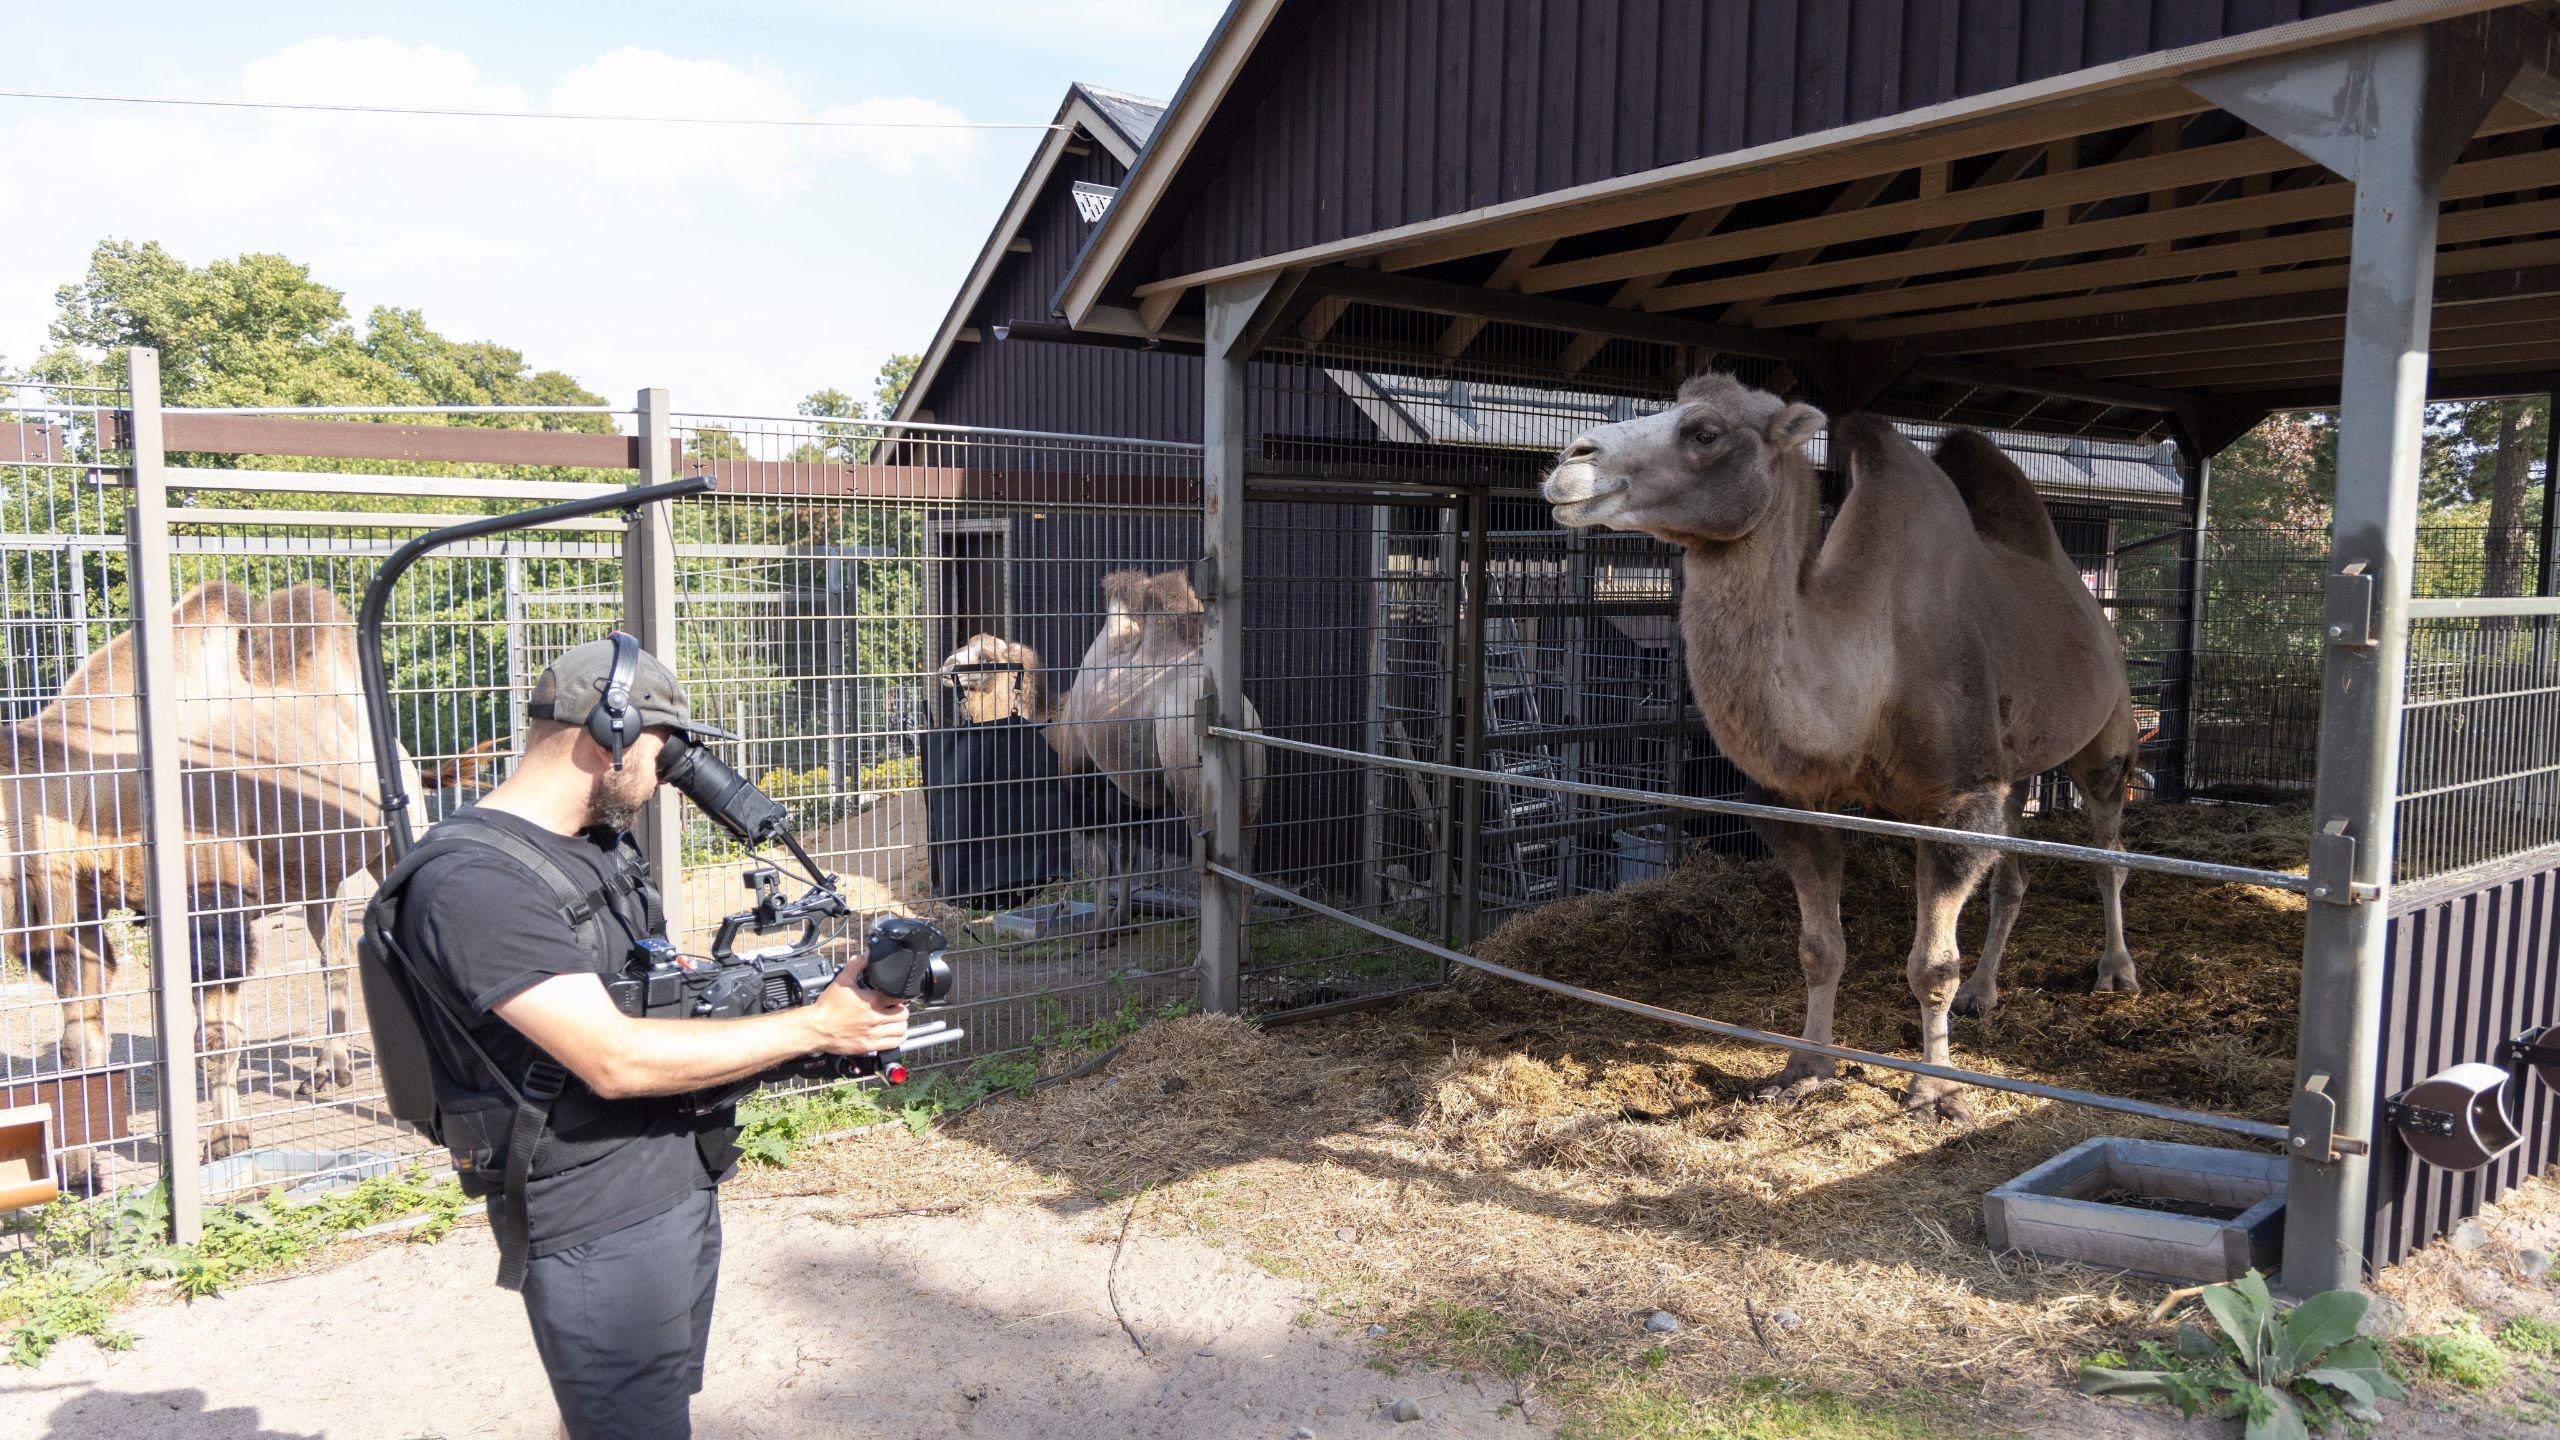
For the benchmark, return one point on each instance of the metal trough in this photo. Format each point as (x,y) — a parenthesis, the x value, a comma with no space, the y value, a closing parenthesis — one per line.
(2187,1213)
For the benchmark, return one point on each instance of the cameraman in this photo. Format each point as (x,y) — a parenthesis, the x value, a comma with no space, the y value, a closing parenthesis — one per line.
(619,1251)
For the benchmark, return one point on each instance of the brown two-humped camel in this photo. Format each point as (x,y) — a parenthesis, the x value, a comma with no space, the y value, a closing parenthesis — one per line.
(281,807)
(1130,715)
(1932,654)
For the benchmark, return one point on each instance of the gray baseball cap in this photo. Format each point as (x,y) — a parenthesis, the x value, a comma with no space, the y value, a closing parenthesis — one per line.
(576,681)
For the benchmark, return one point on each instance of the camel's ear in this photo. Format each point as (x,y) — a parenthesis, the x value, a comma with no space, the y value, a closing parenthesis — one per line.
(1119,624)
(1795,425)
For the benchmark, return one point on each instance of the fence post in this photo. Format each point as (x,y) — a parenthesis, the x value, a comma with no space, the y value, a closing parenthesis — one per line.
(2191,665)
(2387,114)
(165,888)
(649,613)
(1230,310)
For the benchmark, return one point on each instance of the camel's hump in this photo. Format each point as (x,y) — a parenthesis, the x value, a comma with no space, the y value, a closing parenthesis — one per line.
(2005,507)
(293,638)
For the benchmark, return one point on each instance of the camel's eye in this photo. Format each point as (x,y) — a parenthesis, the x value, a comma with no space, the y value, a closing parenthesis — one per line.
(1704,437)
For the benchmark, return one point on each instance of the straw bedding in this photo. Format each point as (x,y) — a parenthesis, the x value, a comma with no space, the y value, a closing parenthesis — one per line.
(1570,1170)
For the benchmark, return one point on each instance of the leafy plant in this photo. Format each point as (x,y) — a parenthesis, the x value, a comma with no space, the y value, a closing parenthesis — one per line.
(77,1261)
(2531,1337)
(2464,1355)
(2279,1369)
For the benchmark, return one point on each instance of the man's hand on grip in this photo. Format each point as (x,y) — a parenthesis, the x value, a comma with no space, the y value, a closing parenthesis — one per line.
(850,1020)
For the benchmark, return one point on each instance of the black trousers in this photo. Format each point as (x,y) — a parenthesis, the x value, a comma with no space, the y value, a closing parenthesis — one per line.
(622,1322)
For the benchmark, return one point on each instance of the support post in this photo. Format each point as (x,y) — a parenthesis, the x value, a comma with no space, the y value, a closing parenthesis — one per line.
(1229,335)
(1473,595)
(2548,582)
(2193,578)
(649,613)
(2387,114)
(520,670)
(164,801)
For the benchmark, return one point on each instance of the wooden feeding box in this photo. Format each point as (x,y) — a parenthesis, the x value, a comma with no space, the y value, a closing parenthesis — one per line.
(2187,1213)
(26,1157)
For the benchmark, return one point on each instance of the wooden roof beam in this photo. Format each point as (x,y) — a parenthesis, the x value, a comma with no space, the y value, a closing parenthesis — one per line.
(1407,292)
(2230,159)
(2132,351)
(2205,367)
(1856,195)
(1974,335)
(2513,354)
(1956,207)
(1463,330)
(2531,255)
(2028,127)
(2499,223)
(1579,351)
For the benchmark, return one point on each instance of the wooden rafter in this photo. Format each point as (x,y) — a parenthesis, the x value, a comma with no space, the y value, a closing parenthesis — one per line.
(1581,349)
(2206,363)
(2501,223)
(1856,195)
(2511,354)
(2529,255)
(2247,217)
(1463,330)
(1956,207)
(1889,157)
(2138,351)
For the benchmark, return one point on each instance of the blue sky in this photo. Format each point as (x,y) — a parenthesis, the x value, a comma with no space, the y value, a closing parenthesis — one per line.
(741,268)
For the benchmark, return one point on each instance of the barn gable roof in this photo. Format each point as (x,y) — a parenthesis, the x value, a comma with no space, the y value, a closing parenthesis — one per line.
(1121,124)
(1313,131)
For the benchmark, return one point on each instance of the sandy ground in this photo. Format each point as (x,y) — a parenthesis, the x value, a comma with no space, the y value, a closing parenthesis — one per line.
(994,1324)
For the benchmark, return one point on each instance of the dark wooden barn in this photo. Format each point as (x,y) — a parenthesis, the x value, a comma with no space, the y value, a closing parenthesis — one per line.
(2102,221)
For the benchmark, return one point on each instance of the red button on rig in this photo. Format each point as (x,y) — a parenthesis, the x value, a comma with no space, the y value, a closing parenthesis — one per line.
(894,1073)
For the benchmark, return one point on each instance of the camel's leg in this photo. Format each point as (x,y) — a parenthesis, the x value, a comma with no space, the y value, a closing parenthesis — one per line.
(1945,876)
(219,1005)
(91,961)
(333,1070)
(2100,772)
(224,945)
(1981,992)
(1813,857)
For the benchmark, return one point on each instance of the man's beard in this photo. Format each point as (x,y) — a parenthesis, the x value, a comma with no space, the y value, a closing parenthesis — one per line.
(614,801)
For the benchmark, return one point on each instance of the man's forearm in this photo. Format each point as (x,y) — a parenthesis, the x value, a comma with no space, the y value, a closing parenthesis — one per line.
(670,1057)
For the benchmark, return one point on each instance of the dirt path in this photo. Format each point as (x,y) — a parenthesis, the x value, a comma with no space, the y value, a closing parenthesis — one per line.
(992,1324)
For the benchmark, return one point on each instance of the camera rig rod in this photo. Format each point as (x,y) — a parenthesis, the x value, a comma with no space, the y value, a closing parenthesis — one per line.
(377,602)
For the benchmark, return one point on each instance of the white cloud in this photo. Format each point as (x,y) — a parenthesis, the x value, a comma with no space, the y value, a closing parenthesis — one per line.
(741,266)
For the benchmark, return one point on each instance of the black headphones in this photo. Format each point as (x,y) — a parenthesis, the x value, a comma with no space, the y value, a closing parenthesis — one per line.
(611,720)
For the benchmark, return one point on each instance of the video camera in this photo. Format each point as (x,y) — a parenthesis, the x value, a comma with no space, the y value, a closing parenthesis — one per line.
(903,956)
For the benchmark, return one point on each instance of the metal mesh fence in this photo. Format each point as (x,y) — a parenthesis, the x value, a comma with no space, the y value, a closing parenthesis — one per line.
(77,1015)
(2479,743)
(921,635)
(2259,662)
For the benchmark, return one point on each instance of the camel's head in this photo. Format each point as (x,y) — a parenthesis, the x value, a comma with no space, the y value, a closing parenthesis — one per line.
(1135,602)
(995,678)
(1700,470)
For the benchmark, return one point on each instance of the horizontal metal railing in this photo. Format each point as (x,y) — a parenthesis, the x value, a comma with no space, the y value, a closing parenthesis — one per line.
(2092,1099)
(2007,844)
(2468,607)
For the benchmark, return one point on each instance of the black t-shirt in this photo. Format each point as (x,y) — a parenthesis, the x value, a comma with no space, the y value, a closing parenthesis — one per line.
(488,929)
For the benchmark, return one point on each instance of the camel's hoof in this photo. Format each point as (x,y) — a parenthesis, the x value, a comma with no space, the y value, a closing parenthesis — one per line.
(1938,1100)
(226,1141)
(332,1073)
(2124,984)
(1968,1002)
(1800,1082)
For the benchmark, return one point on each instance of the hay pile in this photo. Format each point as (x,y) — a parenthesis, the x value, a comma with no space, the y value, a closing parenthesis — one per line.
(1570,1170)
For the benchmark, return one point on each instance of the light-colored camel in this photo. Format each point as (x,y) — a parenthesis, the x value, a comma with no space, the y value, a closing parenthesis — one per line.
(996,679)
(281,807)
(1925,660)
(1130,715)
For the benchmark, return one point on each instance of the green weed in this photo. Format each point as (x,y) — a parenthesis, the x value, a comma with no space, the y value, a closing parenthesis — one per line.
(2531,1337)
(77,1261)
(2463,1355)
(1764,1409)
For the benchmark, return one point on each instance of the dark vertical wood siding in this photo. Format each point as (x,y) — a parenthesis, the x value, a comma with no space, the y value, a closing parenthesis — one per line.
(1059,559)
(2465,972)
(1360,115)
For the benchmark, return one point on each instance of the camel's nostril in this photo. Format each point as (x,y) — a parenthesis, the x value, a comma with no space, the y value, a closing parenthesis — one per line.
(1585,448)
